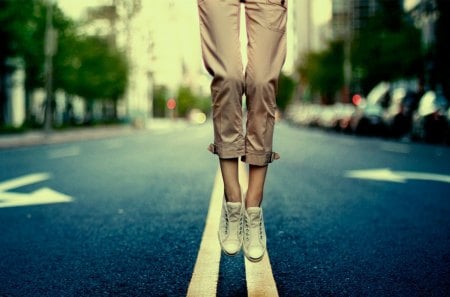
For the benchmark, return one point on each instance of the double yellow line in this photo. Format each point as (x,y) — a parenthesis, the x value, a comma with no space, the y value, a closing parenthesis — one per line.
(260,281)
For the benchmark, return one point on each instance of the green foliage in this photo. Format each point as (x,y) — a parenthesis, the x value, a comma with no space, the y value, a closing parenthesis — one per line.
(323,71)
(16,27)
(22,26)
(204,104)
(186,100)
(441,57)
(93,69)
(386,49)
(160,96)
(286,87)
(86,66)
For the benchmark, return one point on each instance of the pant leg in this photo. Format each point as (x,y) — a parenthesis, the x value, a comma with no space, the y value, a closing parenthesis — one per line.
(266,50)
(219,28)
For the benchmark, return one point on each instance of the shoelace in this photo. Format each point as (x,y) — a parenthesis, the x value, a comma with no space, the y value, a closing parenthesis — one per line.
(234,228)
(228,230)
(256,233)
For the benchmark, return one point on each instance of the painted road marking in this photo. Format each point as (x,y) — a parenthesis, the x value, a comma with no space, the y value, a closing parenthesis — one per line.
(395,148)
(385,174)
(113,144)
(260,281)
(64,152)
(259,276)
(41,196)
(206,270)
(23,181)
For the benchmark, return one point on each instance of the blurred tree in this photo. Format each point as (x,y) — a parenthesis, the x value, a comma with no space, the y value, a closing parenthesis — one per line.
(94,70)
(16,28)
(22,31)
(160,97)
(204,104)
(323,71)
(186,100)
(286,87)
(442,60)
(386,48)
(84,66)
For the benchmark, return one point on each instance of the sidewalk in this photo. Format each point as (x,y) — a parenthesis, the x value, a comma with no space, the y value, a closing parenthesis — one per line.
(39,137)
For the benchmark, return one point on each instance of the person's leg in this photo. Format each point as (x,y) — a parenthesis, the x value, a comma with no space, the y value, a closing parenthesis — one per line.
(256,179)
(229,169)
(219,27)
(266,50)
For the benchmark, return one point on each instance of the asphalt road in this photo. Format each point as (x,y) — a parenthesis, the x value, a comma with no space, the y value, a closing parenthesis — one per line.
(138,205)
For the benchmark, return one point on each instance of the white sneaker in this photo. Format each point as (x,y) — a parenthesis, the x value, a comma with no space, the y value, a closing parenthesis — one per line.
(230,227)
(254,234)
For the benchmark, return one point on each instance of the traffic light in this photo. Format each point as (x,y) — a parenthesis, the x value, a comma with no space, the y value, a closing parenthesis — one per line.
(171,104)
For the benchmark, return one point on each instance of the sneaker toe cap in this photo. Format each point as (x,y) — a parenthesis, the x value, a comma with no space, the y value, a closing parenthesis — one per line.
(231,248)
(255,253)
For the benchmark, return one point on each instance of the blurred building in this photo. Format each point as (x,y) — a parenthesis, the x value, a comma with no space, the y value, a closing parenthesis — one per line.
(425,14)
(302,26)
(309,22)
(14,83)
(431,17)
(123,24)
(349,16)
(308,31)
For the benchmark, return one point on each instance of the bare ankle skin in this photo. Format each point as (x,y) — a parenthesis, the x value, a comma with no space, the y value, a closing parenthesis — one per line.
(230,175)
(255,192)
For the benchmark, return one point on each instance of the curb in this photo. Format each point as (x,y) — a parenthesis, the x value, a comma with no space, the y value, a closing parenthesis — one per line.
(34,138)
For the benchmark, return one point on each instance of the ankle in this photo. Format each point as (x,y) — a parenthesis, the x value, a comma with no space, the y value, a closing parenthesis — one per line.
(233,195)
(253,199)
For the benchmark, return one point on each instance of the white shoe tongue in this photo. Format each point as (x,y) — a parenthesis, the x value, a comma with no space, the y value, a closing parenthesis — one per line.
(254,213)
(234,210)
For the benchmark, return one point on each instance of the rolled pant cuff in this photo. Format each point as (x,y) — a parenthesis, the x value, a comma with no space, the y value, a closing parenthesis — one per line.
(260,159)
(227,151)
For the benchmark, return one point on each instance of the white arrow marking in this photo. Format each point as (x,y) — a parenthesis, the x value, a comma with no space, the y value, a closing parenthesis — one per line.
(385,174)
(40,196)
(23,181)
(425,176)
(64,152)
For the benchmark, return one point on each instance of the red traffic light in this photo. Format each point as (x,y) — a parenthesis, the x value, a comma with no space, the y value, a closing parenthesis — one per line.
(356,99)
(171,104)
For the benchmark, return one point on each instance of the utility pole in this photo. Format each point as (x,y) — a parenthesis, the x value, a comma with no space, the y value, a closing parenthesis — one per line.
(348,36)
(49,50)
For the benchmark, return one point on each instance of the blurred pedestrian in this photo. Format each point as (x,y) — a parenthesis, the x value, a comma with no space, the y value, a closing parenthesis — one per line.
(265,20)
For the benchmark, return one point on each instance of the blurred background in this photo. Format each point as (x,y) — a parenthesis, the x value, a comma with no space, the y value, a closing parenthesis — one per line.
(371,67)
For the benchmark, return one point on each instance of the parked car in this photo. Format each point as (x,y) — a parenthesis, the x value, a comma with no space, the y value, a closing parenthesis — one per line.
(448,126)
(305,115)
(430,122)
(336,116)
(343,116)
(398,117)
(368,117)
(327,117)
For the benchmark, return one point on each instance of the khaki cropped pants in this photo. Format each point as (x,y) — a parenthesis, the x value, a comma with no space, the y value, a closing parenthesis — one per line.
(221,51)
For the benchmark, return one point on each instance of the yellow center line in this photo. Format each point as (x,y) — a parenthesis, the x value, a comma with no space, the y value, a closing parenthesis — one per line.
(206,270)
(260,281)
